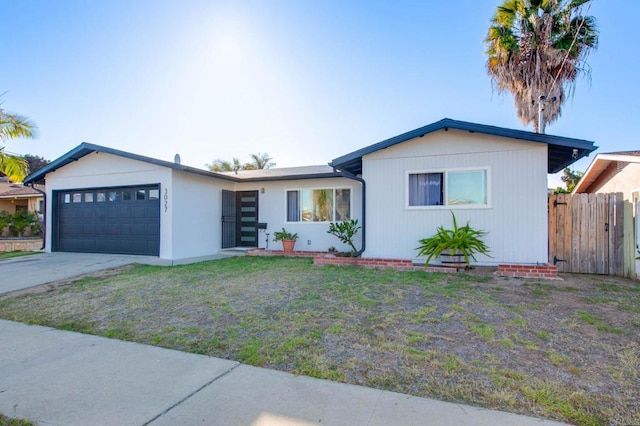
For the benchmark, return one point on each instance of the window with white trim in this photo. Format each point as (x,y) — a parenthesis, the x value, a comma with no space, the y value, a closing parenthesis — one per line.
(448,188)
(319,205)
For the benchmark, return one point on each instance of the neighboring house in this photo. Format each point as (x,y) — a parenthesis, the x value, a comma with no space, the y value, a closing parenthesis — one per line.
(616,172)
(14,196)
(104,200)
(613,172)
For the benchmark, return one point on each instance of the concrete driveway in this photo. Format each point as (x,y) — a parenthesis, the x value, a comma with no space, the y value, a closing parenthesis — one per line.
(23,272)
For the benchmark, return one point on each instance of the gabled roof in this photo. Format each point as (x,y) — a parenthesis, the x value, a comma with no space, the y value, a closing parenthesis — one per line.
(600,163)
(85,149)
(560,149)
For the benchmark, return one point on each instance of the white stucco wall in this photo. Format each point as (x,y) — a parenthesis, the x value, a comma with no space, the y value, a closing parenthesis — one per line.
(196,203)
(191,204)
(99,170)
(626,180)
(516,218)
(312,235)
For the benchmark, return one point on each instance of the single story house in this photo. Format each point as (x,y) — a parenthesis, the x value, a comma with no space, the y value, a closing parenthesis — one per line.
(613,172)
(401,189)
(14,196)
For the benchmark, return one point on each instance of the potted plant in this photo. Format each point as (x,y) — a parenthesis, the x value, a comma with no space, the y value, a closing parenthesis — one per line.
(288,240)
(456,246)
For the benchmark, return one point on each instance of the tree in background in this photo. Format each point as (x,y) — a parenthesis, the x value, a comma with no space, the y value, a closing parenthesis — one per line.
(258,161)
(538,48)
(225,166)
(14,126)
(570,179)
(35,162)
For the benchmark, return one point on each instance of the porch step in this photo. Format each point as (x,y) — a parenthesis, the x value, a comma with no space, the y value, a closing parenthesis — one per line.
(236,251)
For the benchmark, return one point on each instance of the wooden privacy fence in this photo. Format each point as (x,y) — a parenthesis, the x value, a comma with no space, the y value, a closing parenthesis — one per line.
(592,234)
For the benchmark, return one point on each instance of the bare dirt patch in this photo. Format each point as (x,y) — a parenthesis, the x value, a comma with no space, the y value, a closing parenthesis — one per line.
(567,350)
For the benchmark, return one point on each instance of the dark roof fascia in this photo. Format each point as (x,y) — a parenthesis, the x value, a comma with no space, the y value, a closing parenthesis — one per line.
(355,157)
(86,148)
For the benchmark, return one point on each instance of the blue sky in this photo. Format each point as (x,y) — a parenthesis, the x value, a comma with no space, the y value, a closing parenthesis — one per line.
(305,81)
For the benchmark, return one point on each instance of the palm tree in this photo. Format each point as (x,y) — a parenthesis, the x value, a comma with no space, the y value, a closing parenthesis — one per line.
(537,48)
(225,166)
(13,126)
(259,161)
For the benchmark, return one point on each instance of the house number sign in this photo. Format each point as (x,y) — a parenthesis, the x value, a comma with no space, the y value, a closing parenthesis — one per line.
(165,197)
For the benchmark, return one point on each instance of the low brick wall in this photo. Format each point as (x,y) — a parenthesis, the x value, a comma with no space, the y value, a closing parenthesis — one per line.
(28,244)
(326,258)
(398,264)
(264,252)
(528,271)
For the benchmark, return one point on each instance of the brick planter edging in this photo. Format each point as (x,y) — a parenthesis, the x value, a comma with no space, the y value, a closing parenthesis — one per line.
(528,271)
(398,264)
(325,258)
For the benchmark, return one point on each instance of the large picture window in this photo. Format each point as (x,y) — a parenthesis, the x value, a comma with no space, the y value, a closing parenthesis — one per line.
(448,188)
(319,205)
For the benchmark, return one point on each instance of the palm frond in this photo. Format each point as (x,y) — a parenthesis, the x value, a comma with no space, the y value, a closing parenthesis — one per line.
(15,167)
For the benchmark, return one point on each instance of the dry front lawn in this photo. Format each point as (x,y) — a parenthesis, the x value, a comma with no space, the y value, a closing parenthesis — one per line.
(566,350)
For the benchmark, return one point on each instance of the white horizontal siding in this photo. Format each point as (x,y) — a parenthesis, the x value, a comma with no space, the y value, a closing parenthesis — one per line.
(312,236)
(516,220)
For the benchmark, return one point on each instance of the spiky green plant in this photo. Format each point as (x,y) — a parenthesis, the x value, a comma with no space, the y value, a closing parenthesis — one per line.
(464,240)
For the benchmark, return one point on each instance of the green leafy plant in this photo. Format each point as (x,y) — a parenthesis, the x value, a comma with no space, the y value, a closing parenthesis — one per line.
(16,224)
(284,235)
(345,231)
(21,220)
(463,240)
(5,220)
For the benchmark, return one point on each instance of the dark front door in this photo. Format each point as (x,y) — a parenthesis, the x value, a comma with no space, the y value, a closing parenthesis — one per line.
(239,219)
(228,219)
(247,218)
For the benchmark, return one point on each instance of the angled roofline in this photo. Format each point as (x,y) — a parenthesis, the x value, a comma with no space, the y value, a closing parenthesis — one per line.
(593,172)
(86,148)
(352,161)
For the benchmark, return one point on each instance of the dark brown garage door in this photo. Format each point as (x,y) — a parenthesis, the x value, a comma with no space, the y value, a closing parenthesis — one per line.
(124,220)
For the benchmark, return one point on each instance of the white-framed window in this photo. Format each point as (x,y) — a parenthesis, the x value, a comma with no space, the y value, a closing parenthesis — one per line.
(318,205)
(462,188)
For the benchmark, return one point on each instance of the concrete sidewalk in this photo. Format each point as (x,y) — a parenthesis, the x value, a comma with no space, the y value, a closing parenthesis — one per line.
(57,377)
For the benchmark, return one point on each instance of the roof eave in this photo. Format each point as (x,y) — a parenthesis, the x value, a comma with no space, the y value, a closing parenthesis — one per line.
(85,149)
(350,161)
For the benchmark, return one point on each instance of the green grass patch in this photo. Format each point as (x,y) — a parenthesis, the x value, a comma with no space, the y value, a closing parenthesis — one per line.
(8,421)
(555,402)
(600,324)
(11,254)
(517,322)
(543,334)
(486,331)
